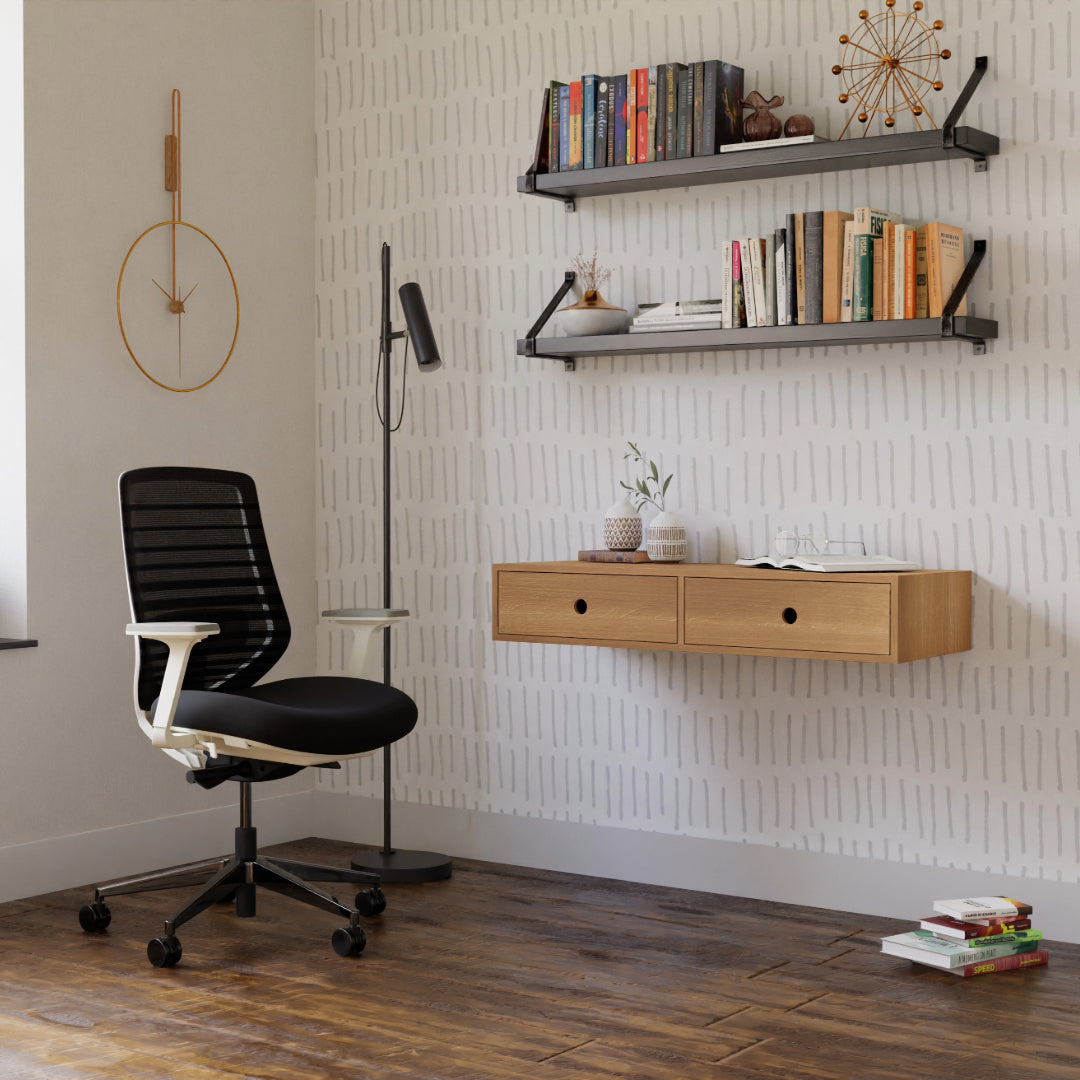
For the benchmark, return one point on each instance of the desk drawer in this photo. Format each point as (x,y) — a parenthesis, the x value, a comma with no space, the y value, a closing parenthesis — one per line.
(588,607)
(813,616)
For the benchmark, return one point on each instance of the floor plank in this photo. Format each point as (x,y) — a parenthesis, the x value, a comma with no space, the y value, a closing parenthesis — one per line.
(504,972)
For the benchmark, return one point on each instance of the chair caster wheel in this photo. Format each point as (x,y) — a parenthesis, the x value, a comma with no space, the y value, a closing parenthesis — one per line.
(164,951)
(349,941)
(370,901)
(94,917)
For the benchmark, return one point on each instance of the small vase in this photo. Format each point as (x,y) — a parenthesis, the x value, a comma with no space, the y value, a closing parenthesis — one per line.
(622,527)
(592,314)
(666,538)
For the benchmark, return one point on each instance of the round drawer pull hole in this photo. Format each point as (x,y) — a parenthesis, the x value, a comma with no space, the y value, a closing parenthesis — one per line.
(580,607)
(789,615)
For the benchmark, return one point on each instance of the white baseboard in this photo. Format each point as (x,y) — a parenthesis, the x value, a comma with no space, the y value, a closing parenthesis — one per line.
(869,886)
(66,862)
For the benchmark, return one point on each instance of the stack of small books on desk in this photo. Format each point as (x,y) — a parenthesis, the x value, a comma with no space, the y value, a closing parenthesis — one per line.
(972,937)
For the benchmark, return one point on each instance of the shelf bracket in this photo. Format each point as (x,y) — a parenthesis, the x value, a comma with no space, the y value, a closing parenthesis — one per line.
(948,129)
(553,303)
(978,253)
(530,188)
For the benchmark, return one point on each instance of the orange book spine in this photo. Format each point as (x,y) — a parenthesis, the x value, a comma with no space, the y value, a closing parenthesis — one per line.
(642,114)
(909,274)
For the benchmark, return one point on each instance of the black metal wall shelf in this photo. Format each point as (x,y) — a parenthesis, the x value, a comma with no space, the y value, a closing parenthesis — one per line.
(873,151)
(16,643)
(959,327)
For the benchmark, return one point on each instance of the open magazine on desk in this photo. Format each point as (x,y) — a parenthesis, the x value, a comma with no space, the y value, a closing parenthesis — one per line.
(829,564)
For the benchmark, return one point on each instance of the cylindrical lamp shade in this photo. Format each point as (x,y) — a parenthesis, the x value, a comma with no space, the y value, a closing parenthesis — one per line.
(419,326)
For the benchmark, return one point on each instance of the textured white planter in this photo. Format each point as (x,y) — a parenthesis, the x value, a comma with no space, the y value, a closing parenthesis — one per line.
(622,527)
(592,316)
(666,538)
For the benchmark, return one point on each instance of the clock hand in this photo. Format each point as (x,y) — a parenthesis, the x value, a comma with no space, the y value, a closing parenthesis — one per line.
(165,291)
(189,292)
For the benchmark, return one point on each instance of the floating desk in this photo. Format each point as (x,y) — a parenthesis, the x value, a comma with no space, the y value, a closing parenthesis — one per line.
(886,618)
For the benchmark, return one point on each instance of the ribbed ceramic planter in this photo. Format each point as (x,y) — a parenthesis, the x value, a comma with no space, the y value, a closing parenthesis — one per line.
(592,315)
(666,538)
(622,527)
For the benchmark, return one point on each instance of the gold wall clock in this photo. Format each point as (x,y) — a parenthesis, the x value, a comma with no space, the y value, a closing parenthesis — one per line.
(176,297)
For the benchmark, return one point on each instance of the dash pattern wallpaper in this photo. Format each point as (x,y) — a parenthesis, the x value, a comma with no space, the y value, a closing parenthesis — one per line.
(426,115)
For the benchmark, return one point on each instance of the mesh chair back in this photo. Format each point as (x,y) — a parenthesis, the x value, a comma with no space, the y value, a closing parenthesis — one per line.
(196,552)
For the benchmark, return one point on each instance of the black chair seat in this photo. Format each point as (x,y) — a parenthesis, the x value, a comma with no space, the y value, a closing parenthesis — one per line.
(322,714)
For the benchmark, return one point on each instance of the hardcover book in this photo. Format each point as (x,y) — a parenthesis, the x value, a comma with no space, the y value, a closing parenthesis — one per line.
(1016,962)
(832,263)
(721,112)
(564,128)
(630,119)
(800,268)
(554,136)
(813,249)
(909,273)
(862,278)
(790,258)
(601,128)
(574,153)
(926,948)
(650,130)
(877,274)
(982,907)
(847,273)
(661,110)
(684,142)
(603,555)
(698,71)
(746,263)
(769,245)
(727,293)
(642,132)
(542,156)
(780,248)
(899,272)
(588,120)
(922,300)
(943,926)
(671,117)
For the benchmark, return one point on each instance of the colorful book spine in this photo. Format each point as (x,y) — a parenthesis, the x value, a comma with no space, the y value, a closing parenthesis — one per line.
(602,131)
(922,302)
(642,154)
(944,265)
(588,120)
(909,273)
(878,274)
(800,267)
(630,118)
(738,291)
(661,110)
(1016,962)
(943,926)
(554,120)
(575,156)
(862,282)
(650,129)
(609,147)
(791,258)
(671,118)
(832,263)
(750,294)
(564,128)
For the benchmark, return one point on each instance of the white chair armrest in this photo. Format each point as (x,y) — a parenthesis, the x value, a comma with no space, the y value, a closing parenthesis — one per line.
(181,638)
(364,622)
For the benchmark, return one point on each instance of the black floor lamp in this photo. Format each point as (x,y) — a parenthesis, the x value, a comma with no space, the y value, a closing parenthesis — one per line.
(390,864)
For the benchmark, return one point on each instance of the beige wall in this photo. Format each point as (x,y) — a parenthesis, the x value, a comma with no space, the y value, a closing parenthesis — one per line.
(98,80)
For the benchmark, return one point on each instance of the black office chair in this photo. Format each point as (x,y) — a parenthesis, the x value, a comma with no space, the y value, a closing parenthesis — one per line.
(199,574)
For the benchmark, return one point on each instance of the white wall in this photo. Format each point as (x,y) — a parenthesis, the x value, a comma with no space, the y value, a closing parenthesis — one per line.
(99,74)
(425,116)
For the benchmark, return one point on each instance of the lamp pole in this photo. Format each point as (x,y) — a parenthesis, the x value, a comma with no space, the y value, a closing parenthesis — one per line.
(389,864)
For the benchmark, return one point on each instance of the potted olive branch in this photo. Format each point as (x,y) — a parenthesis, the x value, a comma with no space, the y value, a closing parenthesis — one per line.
(666,534)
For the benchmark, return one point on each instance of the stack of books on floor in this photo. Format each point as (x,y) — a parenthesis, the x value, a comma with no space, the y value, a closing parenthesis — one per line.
(972,937)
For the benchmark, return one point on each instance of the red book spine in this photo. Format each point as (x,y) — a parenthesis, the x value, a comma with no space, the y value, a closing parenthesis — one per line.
(642,113)
(1036,958)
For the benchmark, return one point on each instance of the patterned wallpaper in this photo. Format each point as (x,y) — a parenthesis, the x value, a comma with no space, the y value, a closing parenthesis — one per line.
(426,113)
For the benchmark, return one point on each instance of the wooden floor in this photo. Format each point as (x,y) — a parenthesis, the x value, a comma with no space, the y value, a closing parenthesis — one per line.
(507,973)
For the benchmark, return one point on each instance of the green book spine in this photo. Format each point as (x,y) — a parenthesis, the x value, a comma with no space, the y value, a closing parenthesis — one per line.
(862,289)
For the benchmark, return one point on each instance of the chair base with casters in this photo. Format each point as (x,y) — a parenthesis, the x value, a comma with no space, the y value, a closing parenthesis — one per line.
(210,624)
(236,879)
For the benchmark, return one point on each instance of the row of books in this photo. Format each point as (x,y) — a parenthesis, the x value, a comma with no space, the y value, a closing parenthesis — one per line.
(979,936)
(654,113)
(819,268)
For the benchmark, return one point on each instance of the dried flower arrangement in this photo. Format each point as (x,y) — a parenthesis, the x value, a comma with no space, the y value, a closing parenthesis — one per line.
(590,274)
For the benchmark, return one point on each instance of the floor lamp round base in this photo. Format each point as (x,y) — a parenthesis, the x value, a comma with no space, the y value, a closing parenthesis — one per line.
(408,866)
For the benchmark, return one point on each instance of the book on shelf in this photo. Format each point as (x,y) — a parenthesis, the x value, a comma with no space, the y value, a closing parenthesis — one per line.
(698,122)
(780,248)
(800,267)
(877,274)
(832,263)
(750,293)
(899,273)
(862,277)
(924,947)
(847,271)
(687,322)
(765,144)
(684,141)
(671,115)
(982,907)
(721,111)
(790,258)
(768,245)
(943,926)
(650,124)
(618,127)
(603,555)
(661,111)
(564,127)
(670,308)
(944,265)
(574,156)
(738,287)
(812,246)
(922,303)
(542,156)
(600,122)
(642,123)
(909,273)
(630,118)
(829,564)
(726,290)
(588,120)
